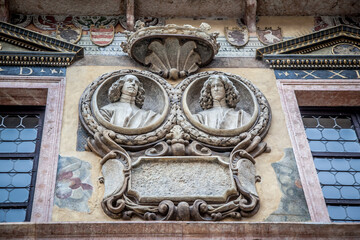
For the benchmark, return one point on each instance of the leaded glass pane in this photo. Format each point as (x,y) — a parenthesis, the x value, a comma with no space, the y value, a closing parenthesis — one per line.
(18,137)
(339,176)
(12,215)
(19,195)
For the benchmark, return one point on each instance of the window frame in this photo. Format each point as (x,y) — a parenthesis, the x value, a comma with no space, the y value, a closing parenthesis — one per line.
(49,150)
(326,93)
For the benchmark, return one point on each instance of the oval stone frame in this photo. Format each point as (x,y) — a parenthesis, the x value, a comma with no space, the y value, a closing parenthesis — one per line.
(100,94)
(259,109)
(190,104)
(95,96)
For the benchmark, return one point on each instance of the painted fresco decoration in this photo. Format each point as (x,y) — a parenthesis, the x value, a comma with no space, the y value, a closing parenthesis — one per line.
(102,35)
(68,33)
(293,207)
(49,23)
(269,36)
(41,50)
(73,184)
(237,36)
(168,57)
(346,49)
(21,20)
(148,21)
(323,22)
(166,122)
(317,74)
(317,50)
(85,22)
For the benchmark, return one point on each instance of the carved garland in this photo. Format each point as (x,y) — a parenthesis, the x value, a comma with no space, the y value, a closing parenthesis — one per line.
(260,127)
(93,126)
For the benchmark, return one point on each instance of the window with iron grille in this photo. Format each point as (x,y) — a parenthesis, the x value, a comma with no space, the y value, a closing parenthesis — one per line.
(20,137)
(333,136)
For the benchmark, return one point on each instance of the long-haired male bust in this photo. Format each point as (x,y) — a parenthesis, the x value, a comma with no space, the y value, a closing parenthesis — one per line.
(218,99)
(127,96)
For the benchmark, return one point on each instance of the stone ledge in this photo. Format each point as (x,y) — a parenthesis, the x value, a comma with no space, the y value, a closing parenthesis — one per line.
(178,230)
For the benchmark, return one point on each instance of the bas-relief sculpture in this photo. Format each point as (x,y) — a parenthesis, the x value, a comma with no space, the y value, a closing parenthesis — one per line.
(181,144)
(218,100)
(127,97)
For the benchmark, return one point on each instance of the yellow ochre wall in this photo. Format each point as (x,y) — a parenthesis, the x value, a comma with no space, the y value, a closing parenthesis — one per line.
(79,77)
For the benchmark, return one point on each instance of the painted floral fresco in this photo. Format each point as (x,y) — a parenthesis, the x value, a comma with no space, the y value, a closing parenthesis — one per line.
(73,184)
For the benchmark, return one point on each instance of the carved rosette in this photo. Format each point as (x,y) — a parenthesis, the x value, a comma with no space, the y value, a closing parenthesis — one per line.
(172,51)
(227,139)
(126,136)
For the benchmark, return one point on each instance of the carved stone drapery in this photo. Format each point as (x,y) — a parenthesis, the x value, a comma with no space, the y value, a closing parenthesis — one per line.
(172,51)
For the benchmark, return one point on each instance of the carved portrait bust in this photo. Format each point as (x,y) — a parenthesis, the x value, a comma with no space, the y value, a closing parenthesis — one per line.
(223,107)
(218,100)
(121,104)
(127,97)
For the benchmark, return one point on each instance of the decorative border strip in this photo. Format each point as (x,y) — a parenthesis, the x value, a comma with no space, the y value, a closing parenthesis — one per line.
(32,71)
(226,49)
(317,74)
(295,61)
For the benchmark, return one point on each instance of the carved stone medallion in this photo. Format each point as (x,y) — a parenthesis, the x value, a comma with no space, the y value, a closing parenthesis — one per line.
(118,102)
(243,108)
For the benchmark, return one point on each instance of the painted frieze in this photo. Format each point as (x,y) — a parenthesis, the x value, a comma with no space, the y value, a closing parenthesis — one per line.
(163,158)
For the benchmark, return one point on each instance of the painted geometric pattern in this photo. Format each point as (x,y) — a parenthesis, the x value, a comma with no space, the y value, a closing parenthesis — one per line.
(317,74)
(226,49)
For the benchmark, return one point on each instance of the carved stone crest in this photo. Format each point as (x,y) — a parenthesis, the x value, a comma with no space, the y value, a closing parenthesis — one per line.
(172,51)
(192,148)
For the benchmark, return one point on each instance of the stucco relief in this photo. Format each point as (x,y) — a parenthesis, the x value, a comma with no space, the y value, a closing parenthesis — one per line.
(178,142)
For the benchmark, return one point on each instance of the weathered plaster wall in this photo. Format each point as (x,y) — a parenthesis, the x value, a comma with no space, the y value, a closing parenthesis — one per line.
(78,77)
(272,197)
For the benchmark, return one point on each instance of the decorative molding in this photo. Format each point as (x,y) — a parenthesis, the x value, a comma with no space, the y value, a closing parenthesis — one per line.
(44,50)
(295,61)
(325,92)
(293,53)
(49,150)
